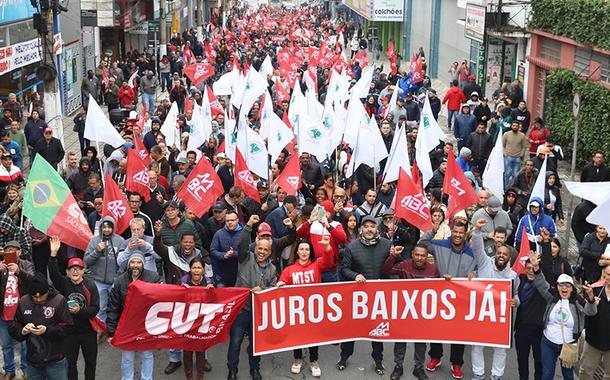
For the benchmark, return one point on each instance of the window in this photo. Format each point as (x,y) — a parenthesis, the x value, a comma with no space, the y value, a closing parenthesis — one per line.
(582,60)
(604,69)
(550,50)
(541,93)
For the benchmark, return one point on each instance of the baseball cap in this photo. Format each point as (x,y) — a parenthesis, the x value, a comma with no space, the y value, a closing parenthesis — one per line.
(368,218)
(221,155)
(494,203)
(47,130)
(182,160)
(7,154)
(388,212)
(328,206)
(39,285)
(261,184)
(76,262)
(564,278)
(264,229)
(219,206)
(12,243)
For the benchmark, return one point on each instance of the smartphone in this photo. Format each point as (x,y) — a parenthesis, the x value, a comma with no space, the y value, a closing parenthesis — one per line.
(72,303)
(321,213)
(10,257)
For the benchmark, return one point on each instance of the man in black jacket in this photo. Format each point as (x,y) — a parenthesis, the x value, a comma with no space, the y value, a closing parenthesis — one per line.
(479,142)
(83,304)
(43,320)
(596,171)
(50,148)
(116,303)
(363,260)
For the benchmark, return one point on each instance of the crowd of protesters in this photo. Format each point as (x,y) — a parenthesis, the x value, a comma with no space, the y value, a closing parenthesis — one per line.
(337,228)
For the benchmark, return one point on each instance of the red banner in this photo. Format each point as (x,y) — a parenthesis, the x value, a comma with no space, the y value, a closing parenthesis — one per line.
(160,316)
(435,310)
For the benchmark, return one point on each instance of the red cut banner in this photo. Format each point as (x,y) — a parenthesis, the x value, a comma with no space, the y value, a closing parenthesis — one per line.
(434,310)
(158,316)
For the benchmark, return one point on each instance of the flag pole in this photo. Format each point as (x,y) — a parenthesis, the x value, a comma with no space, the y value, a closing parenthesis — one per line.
(97,145)
(337,165)
(374,167)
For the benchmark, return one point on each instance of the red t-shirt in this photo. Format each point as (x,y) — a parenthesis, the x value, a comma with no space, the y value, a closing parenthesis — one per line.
(11,297)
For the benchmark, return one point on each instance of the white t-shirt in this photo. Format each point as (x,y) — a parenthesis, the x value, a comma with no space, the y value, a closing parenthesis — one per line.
(553,331)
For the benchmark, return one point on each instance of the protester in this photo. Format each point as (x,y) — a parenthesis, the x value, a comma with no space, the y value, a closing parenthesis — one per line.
(83,304)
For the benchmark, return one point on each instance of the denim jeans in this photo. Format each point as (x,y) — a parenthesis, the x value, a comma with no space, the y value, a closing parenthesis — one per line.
(104,290)
(526,336)
(550,352)
(165,81)
(511,168)
(241,326)
(347,349)
(146,364)
(8,345)
(51,371)
(450,114)
(149,101)
(175,356)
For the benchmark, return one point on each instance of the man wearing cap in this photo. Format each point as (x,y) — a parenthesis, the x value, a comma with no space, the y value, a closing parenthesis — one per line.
(464,159)
(83,304)
(398,232)
(363,260)
(494,216)
(50,148)
(533,221)
(264,232)
(497,267)
(43,320)
(412,110)
(465,124)
(9,173)
(14,279)
(276,218)
(101,259)
(473,101)
(183,169)
(12,147)
(217,220)
(471,87)
(116,303)
(10,231)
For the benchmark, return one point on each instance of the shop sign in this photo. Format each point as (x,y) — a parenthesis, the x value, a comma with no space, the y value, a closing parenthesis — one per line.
(474,27)
(388,10)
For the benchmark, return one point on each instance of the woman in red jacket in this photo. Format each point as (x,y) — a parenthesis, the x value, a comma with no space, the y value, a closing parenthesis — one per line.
(126,95)
(304,268)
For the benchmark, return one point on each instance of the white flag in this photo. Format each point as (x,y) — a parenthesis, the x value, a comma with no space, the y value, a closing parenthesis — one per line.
(253,148)
(600,214)
(312,137)
(314,108)
(370,148)
(201,127)
(253,88)
(297,105)
(429,126)
(539,185)
(398,157)
(362,88)
(356,116)
(132,79)
(170,127)
(230,137)
(338,89)
(265,115)
(266,67)
(592,191)
(226,83)
(493,175)
(279,136)
(422,156)
(99,128)
(393,99)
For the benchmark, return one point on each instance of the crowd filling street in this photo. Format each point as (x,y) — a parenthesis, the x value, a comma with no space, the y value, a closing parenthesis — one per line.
(303,88)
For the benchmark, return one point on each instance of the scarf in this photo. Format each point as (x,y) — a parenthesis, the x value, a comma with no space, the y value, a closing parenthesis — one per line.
(368,242)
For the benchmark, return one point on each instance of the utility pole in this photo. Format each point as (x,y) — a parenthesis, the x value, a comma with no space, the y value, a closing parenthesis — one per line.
(200,21)
(162,29)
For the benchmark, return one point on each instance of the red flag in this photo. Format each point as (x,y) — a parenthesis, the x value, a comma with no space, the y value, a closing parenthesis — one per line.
(215,105)
(158,316)
(187,55)
(244,179)
(391,54)
(280,93)
(136,178)
(415,175)
(290,178)
(201,188)
(458,187)
(115,205)
(188,104)
(524,252)
(361,56)
(141,149)
(417,70)
(105,77)
(411,203)
(198,72)
(210,53)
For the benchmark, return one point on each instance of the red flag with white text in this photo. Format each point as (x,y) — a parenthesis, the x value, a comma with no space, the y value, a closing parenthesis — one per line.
(290,178)
(411,203)
(141,149)
(215,105)
(524,252)
(280,93)
(458,187)
(201,188)
(116,206)
(136,178)
(159,316)
(198,72)
(245,179)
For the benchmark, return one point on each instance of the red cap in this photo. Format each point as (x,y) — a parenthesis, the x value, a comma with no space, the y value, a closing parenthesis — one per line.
(76,262)
(472,77)
(47,129)
(328,206)
(264,229)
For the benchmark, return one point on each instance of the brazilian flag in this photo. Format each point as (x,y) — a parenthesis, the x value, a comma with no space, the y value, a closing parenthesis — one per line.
(51,207)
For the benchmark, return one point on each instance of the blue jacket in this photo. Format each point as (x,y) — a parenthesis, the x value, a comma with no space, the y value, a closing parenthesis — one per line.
(533,223)
(464,125)
(464,165)
(225,270)
(276,220)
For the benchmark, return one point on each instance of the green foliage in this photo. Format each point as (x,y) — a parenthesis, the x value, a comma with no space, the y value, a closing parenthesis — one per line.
(594,124)
(586,21)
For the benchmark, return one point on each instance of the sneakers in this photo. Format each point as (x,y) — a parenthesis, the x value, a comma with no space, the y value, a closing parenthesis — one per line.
(419,373)
(494,377)
(297,366)
(396,373)
(478,377)
(433,364)
(342,364)
(315,369)
(456,371)
(379,368)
